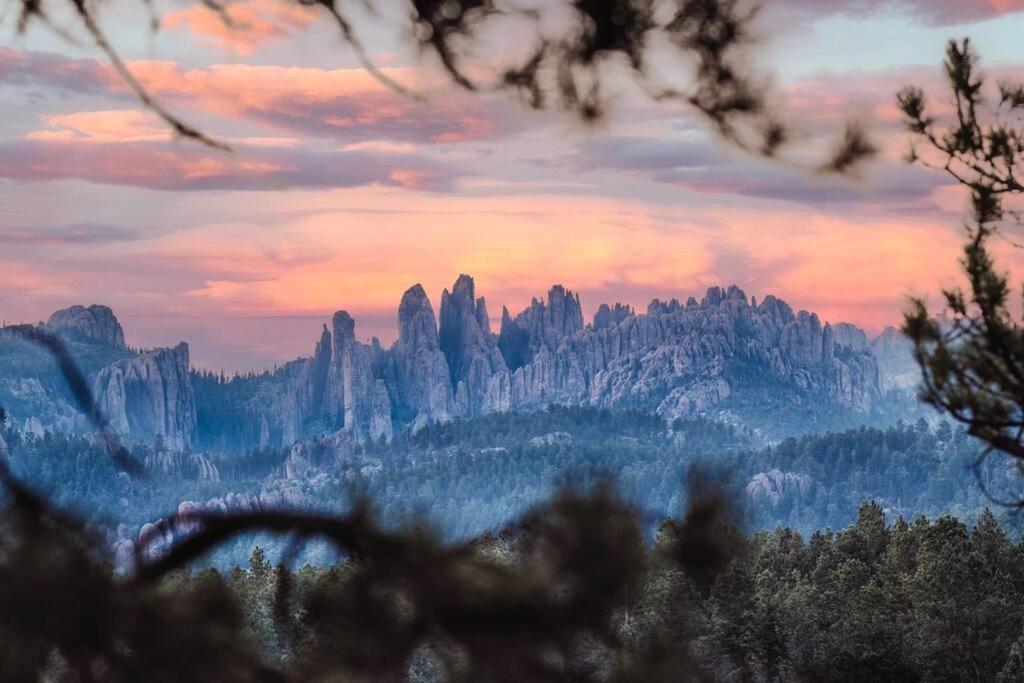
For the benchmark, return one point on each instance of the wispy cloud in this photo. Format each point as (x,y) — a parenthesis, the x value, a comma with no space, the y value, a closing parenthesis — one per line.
(163,166)
(72,234)
(703,167)
(249,24)
(344,104)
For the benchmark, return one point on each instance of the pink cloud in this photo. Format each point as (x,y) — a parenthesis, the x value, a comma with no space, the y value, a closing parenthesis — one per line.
(346,104)
(112,125)
(160,166)
(251,24)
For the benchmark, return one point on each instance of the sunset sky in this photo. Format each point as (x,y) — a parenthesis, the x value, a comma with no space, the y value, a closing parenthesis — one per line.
(340,193)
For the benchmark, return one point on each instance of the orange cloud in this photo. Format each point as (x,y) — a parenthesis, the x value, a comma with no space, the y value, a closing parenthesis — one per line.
(307,254)
(64,154)
(112,125)
(855,268)
(346,104)
(326,102)
(249,24)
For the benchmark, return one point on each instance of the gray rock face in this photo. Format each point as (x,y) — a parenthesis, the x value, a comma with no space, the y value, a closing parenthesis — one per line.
(610,316)
(150,395)
(849,336)
(477,369)
(353,398)
(97,323)
(678,359)
(156,538)
(336,389)
(551,439)
(421,379)
(768,488)
(542,324)
(33,427)
(681,359)
(332,451)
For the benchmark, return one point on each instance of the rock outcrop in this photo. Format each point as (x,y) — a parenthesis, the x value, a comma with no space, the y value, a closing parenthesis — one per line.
(420,379)
(354,400)
(479,376)
(150,396)
(544,324)
(681,359)
(95,323)
(849,336)
(337,389)
(768,488)
(333,451)
(724,352)
(678,359)
(195,466)
(551,439)
(610,316)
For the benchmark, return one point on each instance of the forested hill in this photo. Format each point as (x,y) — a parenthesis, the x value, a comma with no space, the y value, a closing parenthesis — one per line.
(471,475)
(928,600)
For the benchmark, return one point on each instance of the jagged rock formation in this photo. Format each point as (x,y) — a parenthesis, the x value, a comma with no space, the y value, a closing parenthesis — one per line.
(97,323)
(680,359)
(354,400)
(32,386)
(333,451)
(477,369)
(768,488)
(337,389)
(543,324)
(551,439)
(724,355)
(150,396)
(33,427)
(417,369)
(610,316)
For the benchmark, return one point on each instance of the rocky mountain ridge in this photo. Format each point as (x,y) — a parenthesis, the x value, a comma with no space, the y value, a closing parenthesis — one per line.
(725,353)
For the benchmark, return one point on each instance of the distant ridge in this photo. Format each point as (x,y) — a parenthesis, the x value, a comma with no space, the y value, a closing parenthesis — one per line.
(725,355)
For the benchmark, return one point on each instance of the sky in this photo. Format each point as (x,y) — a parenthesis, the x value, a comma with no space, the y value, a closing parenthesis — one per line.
(340,193)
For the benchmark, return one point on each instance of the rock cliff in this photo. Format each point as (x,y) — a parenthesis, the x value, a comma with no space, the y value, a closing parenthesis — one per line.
(337,389)
(768,488)
(681,359)
(725,354)
(542,324)
(419,373)
(150,396)
(479,376)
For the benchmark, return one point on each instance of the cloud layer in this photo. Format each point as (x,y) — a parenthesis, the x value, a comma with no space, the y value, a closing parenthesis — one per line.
(389,190)
(159,166)
(344,104)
